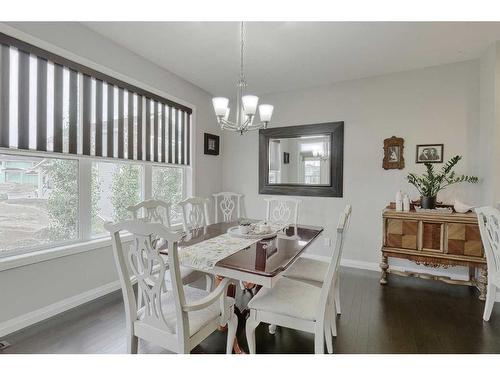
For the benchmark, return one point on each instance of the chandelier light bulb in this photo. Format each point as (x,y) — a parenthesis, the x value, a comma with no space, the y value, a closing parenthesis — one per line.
(250,104)
(265,112)
(220,105)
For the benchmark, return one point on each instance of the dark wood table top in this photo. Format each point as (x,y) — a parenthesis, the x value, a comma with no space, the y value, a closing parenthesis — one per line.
(265,257)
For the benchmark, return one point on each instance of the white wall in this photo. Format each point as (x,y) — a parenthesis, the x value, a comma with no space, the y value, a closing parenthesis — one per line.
(434,105)
(45,286)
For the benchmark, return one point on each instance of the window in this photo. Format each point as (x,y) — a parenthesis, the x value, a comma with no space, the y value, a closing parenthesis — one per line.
(312,171)
(77,147)
(168,185)
(38,202)
(114,187)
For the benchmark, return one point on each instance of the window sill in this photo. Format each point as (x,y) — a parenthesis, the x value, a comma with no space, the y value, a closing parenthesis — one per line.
(21,260)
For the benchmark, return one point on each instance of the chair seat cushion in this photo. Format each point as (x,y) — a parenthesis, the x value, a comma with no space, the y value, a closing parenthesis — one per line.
(289,297)
(197,319)
(307,269)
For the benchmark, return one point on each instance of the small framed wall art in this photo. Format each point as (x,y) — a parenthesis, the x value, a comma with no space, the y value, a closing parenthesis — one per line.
(211,144)
(393,153)
(429,153)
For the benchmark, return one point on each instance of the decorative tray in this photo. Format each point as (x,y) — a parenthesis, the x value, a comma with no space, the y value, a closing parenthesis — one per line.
(252,234)
(437,210)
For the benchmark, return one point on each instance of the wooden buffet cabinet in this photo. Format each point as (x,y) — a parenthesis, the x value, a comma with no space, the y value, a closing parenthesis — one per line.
(434,240)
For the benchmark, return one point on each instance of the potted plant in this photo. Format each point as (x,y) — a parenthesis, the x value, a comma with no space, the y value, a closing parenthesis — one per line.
(431,182)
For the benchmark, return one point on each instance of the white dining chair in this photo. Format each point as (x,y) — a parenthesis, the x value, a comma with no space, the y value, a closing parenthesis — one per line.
(314,271)
(226,202)
(176,320)
(158,211)
(194,212)
(299,305)
(282,210)
(489,226)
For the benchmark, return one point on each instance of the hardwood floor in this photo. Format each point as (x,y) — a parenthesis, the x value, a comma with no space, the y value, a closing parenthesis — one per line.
(406,316)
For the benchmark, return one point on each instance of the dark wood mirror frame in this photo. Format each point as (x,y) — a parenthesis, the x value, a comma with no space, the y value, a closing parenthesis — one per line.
(334,189)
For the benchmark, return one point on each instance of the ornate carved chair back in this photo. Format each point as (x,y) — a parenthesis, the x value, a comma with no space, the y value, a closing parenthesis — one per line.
(194,213)
(227,202)
(154,211)
(489,226)
(143,261)
(282,210)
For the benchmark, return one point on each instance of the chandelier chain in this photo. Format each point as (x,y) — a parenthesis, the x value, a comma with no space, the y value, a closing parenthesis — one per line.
(242,49)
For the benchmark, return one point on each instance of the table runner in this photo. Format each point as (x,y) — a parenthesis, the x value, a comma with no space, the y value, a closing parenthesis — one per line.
(204,255)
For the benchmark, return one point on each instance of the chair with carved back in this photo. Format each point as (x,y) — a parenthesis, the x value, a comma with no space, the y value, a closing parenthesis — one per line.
(158,211)
(194,213)
(299,305)
(282,210)
(177,320)
(489,226)
(226,202)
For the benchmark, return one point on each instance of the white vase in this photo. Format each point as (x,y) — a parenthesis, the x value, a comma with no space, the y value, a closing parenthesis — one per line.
(399,201)
(406,203)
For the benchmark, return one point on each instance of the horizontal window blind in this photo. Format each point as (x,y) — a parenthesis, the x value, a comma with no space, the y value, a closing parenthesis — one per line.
(50,103)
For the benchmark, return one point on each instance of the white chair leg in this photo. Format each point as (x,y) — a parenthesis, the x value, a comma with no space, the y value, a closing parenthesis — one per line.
(232,326)
(319,340)
(333,320)
(490,301)
(337,296)
(132,342)
(251,324)
(328,336)
(272,329)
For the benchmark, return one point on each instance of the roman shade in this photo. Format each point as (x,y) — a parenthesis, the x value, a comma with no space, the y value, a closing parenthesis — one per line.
(50,103)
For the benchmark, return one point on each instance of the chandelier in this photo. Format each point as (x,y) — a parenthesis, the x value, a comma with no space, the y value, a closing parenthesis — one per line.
(246,105)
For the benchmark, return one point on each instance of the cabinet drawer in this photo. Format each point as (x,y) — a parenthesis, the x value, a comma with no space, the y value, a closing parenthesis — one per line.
(401,233)
(464,239)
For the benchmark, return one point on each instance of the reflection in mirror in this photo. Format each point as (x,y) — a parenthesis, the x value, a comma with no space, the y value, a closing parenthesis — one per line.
(301,160)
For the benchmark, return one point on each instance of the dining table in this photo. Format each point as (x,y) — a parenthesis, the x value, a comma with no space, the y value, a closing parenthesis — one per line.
(251,261)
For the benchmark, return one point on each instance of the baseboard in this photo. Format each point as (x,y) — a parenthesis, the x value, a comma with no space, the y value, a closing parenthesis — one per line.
(49,311)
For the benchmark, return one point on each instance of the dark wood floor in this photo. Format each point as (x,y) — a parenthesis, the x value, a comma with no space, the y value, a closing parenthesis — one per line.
(406,316)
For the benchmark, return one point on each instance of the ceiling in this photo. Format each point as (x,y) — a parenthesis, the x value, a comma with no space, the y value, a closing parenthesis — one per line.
(282,56)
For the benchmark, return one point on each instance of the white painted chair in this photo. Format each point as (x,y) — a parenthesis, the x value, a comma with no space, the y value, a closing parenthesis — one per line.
(226,202)
(298,304)
(489,225)
(154,211)
(158,211)
(194,213)
(282,210)
(314,271)
(177,320)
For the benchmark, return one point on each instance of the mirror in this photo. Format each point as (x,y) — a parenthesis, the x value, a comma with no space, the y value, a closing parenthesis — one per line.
(303,160)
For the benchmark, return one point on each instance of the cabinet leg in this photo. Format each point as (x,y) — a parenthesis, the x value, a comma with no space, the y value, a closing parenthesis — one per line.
(482,283)
(384,266)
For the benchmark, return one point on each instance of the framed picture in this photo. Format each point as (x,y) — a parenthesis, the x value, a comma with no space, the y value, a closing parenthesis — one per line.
(393,153)
(286,158)
(429,153)
(211,144)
